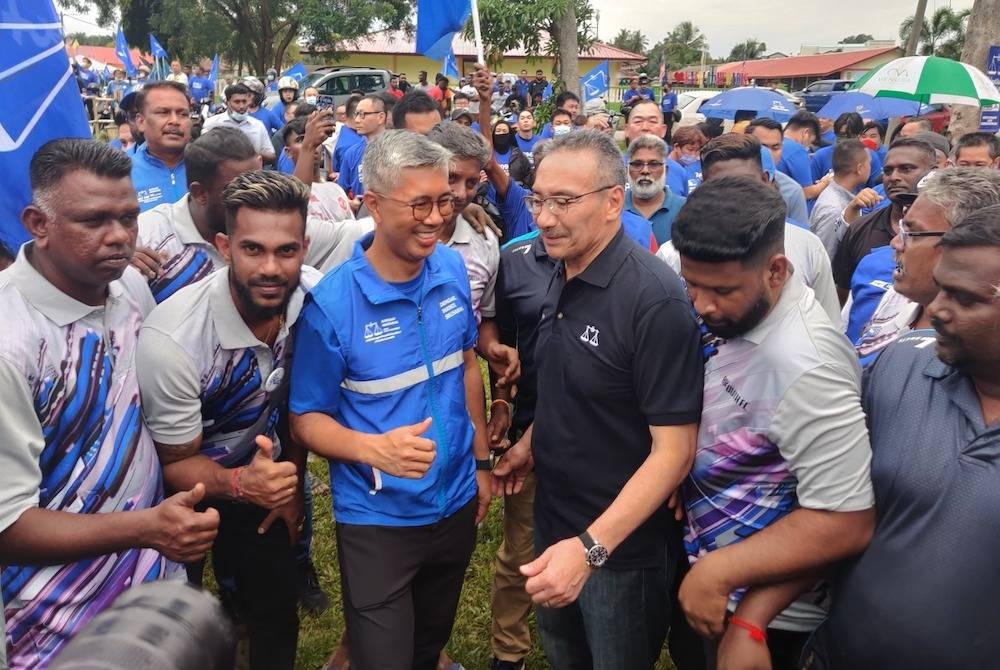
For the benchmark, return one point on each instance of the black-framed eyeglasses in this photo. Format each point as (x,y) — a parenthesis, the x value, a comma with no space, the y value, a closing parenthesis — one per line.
(558,203)
(422,209)
(905,234)
(639,166)
(365,115)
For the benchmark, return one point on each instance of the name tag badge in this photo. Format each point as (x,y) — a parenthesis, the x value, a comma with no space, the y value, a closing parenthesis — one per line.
(274,380)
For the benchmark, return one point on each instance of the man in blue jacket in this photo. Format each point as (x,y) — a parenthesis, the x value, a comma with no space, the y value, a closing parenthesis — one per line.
(386,385)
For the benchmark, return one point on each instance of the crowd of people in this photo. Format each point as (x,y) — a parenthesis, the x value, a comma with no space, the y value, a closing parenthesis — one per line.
(743,394)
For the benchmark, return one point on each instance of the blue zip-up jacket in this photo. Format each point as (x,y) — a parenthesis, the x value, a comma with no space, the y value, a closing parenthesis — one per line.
(154,182)
(374,360)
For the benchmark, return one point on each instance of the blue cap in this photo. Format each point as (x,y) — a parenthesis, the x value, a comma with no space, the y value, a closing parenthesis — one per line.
(767,162)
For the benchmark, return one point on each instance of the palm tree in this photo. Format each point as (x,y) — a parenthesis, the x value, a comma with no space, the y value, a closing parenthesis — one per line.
(683,45)
(750,49)
(631,40)
(943,35)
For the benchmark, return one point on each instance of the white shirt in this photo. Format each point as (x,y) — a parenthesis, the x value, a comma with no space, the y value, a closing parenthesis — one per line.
(249,126)
(482,261)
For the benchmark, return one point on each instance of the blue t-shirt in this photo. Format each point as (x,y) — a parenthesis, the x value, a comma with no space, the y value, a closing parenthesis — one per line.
(350,178)
(677,178)
(882,204)
(822,162)
(521,89)
(669,102)
(662,220)
(871,279)
(285,163)
(155,183)
(795,162)
(347,138)
(527,146)
(269,119)
(202,89)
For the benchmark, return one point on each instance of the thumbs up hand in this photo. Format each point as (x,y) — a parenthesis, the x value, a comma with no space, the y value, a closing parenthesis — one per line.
(180,532)
(403,452)
(266,483)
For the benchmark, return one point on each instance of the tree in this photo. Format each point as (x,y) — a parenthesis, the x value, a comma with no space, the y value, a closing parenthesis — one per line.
(92,40)
(512,24)
(750,49)
(984,26)
(630,40)
(942,35)
(860,38)
(260,32)
(682,46)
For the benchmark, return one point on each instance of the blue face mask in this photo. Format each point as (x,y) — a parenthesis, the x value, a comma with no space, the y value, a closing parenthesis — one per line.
(687,159)
(311,99)
(560,130)
(238,117)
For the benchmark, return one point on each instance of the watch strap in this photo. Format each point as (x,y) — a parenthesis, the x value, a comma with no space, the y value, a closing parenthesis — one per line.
(587,540)
(484,464)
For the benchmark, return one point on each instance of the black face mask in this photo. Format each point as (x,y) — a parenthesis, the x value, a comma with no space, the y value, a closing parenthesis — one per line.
(502,143)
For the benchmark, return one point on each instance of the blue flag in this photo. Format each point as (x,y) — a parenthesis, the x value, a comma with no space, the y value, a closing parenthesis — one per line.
(39,101)
(450,67)
(296,72)
(437,23)
(124,55)
(594,84)
(155,48)
(213,74)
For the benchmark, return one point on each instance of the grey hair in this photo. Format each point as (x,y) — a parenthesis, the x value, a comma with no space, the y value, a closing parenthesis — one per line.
(462,142)
(57,158)
(265,190)
(392,151)
(610,167)
(647,142)
(961,191)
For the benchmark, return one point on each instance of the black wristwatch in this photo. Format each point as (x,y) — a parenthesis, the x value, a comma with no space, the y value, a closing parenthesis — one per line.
(484,464)
(595,552)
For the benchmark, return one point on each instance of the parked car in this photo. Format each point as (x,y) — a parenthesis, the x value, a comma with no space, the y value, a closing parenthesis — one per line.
(338,81)
(689,103)
(938,115)
(818,93)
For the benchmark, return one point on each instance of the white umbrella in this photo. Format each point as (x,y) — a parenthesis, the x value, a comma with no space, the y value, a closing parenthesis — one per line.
(930,80)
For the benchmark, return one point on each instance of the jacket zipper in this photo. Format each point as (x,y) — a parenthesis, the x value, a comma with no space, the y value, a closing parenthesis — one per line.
(442,444)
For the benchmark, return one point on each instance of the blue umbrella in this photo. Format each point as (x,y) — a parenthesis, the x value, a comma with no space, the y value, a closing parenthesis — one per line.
(760,101)
(867,106)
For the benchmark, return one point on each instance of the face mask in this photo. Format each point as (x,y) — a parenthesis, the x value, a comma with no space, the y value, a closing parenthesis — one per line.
(311,99)
(560,130)
(238,117)
(502,143)
(687,159)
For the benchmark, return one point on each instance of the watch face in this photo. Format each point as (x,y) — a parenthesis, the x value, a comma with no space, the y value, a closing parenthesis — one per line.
(597,556)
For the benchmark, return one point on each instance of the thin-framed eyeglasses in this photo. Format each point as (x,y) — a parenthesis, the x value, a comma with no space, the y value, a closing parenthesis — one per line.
(639,166)
(365,115)
(558,203)
(905,233)
(423,208)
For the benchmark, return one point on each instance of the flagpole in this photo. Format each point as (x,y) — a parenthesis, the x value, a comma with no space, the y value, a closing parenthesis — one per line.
(477,33)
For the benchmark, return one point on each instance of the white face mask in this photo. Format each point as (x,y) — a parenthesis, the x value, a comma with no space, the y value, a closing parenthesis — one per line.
(311,99)
(238,117)
(560,130)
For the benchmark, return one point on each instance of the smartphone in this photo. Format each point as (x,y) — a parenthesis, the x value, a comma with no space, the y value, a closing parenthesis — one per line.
(325,102)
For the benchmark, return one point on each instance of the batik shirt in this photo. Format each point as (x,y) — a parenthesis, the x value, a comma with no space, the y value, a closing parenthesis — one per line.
(71,440)
(782,428)
(203,372)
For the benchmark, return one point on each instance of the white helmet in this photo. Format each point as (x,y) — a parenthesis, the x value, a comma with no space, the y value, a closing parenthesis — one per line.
(288,82)
(256,86)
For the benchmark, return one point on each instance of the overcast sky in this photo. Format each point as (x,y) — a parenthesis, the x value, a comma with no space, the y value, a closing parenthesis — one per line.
(783,25)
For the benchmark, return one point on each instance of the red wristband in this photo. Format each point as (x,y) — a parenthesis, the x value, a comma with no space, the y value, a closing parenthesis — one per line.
(755,633)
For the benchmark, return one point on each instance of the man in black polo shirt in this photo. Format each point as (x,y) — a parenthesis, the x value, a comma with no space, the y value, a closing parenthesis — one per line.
(907,162)
(924,595)
(619,391)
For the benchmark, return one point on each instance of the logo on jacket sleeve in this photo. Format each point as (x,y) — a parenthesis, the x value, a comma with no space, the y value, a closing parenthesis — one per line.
(382,331)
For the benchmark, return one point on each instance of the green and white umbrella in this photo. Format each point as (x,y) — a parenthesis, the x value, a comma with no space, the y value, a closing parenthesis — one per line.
(930,80)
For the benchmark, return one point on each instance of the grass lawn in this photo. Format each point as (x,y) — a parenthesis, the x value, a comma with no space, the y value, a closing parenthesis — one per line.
(470,640)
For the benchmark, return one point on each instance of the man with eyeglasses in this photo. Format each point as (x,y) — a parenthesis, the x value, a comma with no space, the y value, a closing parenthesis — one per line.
(386,385)
(945,197)
(924,594)
(648,194)
(619,370)
(370,117)
(212,365)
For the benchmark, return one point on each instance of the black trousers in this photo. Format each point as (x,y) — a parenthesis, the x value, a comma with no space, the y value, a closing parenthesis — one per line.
(261,571)
(401,587)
